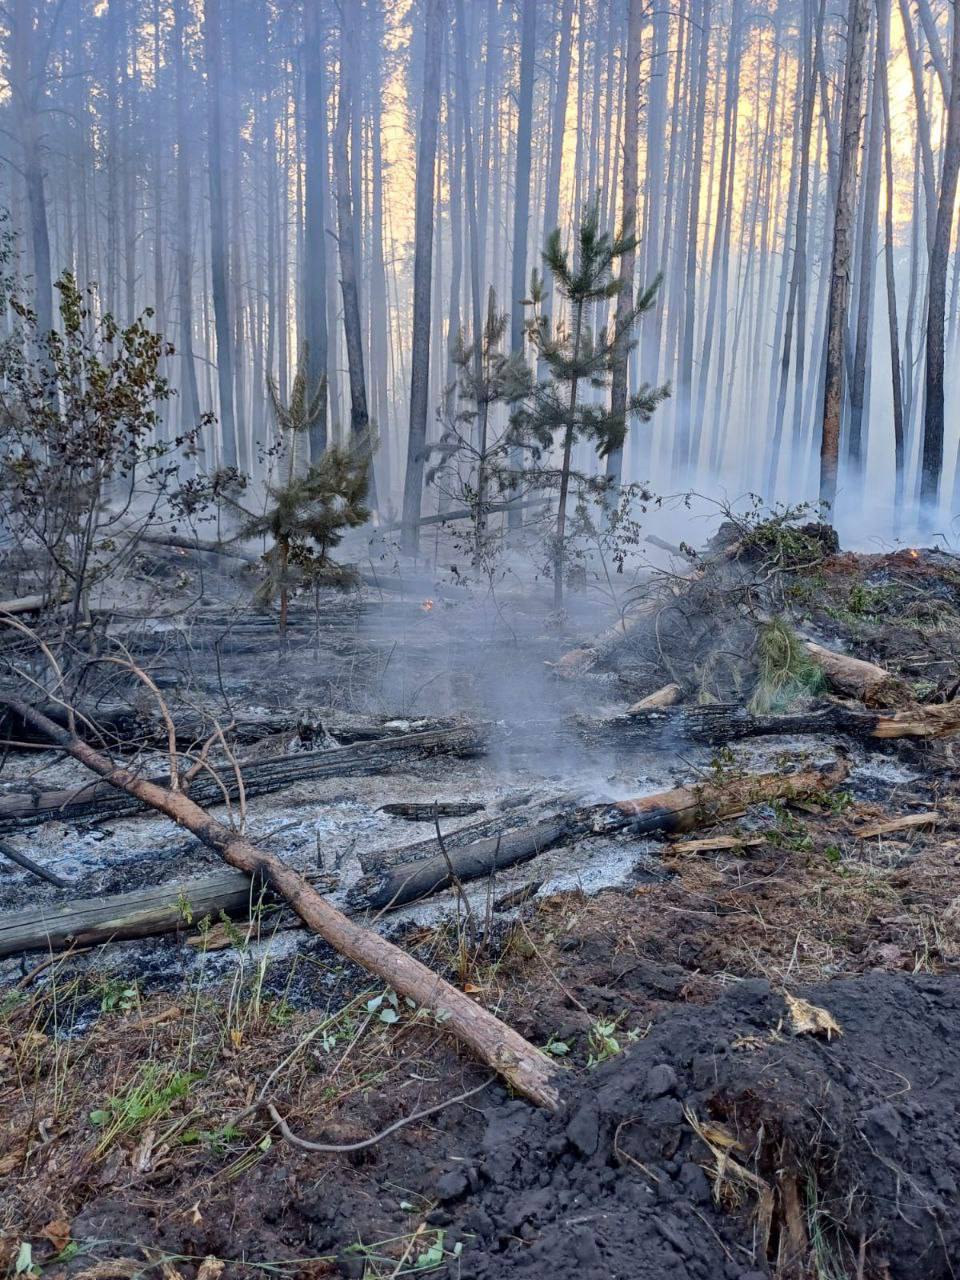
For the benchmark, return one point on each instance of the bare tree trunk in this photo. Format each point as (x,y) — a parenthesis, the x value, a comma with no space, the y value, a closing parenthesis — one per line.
(27,76)
(932,460)
(347,199)
(189,391)
(681,440)
(883,49)
(866,283)
(422,277)
(315,189)
(618,387)
(551,204)
(857,24)
(521,202)
(218,229)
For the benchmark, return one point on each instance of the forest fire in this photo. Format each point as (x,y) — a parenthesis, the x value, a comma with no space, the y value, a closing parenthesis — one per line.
(478,792)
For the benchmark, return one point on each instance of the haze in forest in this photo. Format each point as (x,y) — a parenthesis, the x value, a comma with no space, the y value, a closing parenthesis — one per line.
(365,187)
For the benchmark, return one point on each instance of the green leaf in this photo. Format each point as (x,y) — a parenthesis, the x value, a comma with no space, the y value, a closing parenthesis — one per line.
(99,1118)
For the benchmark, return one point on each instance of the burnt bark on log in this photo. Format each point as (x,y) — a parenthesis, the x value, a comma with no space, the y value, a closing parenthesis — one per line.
(682,809)
(525,1067)
(260,777)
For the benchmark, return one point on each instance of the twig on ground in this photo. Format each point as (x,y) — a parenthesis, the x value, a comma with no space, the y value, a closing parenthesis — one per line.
(306,1145)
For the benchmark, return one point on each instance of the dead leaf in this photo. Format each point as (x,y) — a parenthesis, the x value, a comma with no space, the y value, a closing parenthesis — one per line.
(58,1233)
(210,1268)
(809,1019)
(194,1214)
(170,1272)
(471,989)
(12,1160)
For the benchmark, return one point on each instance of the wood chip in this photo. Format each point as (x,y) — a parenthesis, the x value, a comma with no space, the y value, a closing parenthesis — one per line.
(711,843)
(911,820)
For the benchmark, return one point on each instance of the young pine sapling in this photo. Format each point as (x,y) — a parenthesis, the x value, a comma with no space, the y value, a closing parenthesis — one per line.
(306,513)
(554,412)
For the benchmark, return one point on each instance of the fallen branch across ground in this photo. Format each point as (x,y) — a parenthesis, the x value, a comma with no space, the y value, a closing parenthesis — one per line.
(524,1066)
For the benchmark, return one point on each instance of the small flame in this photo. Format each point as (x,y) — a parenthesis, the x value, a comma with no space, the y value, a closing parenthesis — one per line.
(427,606)
(913,553)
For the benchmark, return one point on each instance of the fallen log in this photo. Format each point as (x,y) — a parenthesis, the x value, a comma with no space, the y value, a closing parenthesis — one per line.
(180,905)
(874,686)
(260,777)
(726,722)
(30,604)
(141,913)
(682,809)
(525,1067)
(665,697)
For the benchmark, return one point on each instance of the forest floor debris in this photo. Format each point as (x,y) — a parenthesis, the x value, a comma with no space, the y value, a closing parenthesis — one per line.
(704,1133)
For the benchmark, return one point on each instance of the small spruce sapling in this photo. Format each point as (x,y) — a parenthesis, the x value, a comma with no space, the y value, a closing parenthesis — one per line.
(306,515)
(574,357)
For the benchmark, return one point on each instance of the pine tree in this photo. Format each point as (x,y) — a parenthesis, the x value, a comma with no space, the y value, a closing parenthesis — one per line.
(486,376)
(574,357)
(306,516)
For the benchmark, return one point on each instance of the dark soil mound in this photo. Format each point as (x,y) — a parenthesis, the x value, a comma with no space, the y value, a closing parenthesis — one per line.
(855,1138)
(720,1146)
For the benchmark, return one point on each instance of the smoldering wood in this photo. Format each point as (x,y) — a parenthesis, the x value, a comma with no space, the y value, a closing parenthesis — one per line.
(180,905)
(520,1063)
(681,809)
(427,811)
(100,800)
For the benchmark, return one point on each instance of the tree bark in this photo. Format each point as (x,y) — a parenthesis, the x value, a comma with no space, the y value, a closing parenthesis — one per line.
(422,277)
(932,460)
(521,201)
(213,48)
(618,386)
(315,198)
(840,262)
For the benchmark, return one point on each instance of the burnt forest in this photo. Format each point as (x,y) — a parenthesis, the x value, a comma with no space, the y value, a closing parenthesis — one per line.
(479,639)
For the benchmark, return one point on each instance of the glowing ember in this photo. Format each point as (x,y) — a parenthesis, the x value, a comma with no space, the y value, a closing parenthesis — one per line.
(913,553)
(427,606)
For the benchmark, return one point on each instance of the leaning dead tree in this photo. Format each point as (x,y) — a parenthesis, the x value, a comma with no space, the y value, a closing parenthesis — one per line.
(520,1063)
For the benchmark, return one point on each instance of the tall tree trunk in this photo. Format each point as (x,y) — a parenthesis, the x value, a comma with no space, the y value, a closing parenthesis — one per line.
(551,204)
(883,51)
(347,199)
(315,188)
(213,49)
(932,460)
(681,453)
(866,282)
(521,201)
(27,77)
(189,391)
(618,387)
(857,24)
(422,276)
